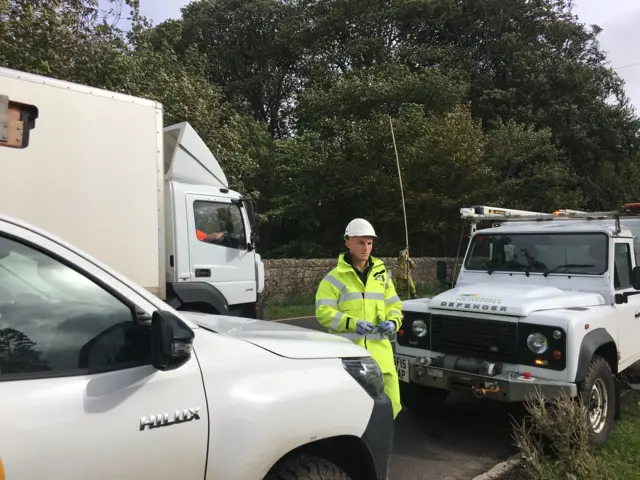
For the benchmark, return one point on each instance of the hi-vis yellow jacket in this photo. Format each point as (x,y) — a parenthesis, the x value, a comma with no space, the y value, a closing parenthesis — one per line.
(342,299)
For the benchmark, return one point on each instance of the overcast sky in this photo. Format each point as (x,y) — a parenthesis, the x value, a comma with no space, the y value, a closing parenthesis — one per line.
(619,20)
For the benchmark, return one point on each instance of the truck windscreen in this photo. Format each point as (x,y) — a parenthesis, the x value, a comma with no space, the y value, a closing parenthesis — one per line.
(574,253)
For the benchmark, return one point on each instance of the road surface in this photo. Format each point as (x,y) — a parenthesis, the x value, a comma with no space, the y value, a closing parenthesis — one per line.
(457,442)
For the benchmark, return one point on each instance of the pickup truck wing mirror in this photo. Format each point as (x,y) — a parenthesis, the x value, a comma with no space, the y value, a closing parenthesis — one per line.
(171,341)
(16,122)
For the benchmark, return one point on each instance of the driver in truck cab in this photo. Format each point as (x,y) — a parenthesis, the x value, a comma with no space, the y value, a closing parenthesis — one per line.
(358,301)
(208,237)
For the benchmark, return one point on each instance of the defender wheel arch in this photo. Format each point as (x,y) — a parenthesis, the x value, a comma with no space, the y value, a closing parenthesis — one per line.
(597,341)
(206,296)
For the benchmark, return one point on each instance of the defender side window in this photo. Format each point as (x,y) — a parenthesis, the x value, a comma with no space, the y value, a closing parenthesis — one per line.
(622,270)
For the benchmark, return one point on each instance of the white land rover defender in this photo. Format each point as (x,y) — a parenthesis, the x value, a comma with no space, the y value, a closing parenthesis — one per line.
(543,303)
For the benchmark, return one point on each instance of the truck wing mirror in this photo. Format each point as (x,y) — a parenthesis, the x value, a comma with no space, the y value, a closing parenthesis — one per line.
(441,270)
(16,122)
(250,206)
(171,341)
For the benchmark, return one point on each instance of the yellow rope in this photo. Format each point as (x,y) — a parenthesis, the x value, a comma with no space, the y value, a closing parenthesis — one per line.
(404,210)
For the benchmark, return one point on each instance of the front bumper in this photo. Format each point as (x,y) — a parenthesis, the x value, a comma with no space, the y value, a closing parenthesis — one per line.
(378,436)
(505,386)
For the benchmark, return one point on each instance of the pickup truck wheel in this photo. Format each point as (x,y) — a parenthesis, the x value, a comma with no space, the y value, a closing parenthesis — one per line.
(597,392)
(418,398)
(307,467)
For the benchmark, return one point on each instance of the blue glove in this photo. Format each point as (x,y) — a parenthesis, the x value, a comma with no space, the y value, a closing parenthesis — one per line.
(387,327)
(363,327)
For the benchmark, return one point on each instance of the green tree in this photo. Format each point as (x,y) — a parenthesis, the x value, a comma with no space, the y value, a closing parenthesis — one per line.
(253,50)
(74,41)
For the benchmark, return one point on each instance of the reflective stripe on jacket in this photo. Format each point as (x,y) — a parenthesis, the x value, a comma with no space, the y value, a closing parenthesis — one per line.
(342,299)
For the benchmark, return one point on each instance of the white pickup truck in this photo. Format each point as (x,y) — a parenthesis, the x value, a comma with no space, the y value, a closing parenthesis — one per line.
(543,302)
(101,379)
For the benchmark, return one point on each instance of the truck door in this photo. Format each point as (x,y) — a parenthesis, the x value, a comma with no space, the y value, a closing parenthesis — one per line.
(628,313)
(218,247)
(77,387)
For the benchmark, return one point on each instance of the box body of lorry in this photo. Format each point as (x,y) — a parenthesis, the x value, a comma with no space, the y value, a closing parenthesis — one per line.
(93,175)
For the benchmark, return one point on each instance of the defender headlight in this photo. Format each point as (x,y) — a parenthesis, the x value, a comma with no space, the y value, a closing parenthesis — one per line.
(367,373)
(537,343)
(419,328)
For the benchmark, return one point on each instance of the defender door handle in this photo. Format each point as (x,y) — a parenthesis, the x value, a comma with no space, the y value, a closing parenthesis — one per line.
(637,314)
(203,272)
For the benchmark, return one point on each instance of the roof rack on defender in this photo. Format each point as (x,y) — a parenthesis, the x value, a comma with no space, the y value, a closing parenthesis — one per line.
(480,213)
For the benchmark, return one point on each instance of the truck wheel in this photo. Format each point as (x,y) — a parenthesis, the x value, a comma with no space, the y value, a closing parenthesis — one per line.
(307,467)
(598,395)
(418,398)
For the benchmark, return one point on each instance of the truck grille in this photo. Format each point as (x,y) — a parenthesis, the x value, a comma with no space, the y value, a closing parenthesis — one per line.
(474,337)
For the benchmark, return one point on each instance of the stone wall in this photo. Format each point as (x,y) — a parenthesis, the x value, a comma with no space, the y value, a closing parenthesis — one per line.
(290,278)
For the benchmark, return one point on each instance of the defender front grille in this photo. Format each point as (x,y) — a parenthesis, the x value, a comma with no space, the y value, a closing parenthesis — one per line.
(474,337)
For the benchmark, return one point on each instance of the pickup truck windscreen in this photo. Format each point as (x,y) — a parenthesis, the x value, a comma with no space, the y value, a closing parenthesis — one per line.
(563,253)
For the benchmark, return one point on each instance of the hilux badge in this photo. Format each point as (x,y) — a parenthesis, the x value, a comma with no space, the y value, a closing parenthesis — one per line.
(162,420)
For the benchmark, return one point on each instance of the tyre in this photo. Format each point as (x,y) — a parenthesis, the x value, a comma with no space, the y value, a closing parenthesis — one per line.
(307,467)
(418,398)
(598,394)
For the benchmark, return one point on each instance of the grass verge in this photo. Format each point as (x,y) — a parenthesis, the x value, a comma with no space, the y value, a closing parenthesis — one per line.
(304,306)
(565,454)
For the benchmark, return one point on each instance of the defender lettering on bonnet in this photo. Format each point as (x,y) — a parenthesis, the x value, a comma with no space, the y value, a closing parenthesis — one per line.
(474,301)
(474,306)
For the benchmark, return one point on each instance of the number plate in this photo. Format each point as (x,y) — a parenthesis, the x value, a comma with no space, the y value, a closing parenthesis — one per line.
(402,366)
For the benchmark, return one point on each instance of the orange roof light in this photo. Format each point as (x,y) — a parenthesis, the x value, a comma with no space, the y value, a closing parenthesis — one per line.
(632,206)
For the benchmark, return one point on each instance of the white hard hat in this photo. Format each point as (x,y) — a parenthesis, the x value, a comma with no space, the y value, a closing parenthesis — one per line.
(359,227)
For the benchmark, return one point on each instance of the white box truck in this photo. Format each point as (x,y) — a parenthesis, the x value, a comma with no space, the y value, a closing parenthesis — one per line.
(101,379)
(151,202)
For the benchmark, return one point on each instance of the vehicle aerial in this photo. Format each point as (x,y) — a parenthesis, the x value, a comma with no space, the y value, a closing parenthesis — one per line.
(543,303)
(100,378)
(103,174)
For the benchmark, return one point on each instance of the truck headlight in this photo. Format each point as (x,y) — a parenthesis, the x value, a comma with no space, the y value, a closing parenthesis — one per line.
(537,343)
(367,373)
(419,328)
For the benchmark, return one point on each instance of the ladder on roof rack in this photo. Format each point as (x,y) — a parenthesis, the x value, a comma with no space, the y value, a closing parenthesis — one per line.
(480,213)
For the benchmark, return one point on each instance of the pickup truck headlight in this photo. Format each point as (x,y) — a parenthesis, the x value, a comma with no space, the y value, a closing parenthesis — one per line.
(537,343)
(367,373)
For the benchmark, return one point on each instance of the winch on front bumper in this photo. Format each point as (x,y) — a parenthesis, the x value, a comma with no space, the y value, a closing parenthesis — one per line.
(485,380)
(471,352)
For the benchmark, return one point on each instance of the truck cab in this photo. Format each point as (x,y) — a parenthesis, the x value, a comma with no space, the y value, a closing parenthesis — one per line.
(543,304)
(211,237)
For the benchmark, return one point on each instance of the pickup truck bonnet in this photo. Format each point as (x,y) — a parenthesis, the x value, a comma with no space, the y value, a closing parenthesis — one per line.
(284,340)
(512,300)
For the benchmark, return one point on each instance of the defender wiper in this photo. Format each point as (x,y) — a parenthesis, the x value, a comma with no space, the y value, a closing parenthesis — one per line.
(506,268)
(568,265)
